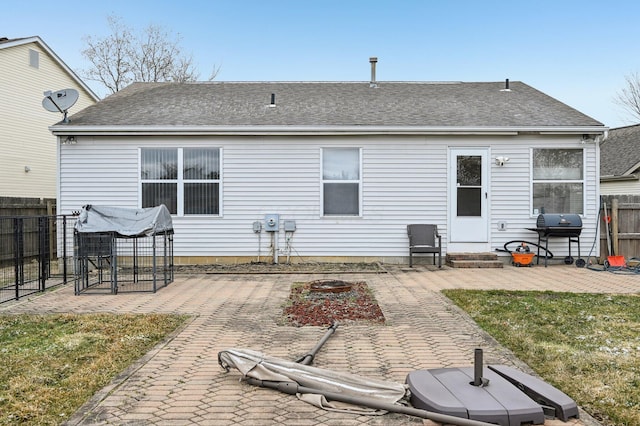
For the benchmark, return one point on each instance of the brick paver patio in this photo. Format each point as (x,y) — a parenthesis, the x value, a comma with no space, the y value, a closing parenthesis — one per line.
(181,383)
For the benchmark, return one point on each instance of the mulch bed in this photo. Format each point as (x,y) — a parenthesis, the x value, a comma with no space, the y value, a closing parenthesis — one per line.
(323,308)
(280,268)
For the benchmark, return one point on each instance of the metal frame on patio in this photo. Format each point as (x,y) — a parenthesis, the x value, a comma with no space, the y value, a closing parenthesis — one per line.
(107,262)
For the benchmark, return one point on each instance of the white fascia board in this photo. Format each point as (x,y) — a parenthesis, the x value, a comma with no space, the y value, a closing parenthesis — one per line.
(60,130)
(20,42)
(269,130)
(622,178)
(632,169)
(587,130)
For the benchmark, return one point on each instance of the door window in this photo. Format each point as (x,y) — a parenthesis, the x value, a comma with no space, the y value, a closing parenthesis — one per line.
(469,185)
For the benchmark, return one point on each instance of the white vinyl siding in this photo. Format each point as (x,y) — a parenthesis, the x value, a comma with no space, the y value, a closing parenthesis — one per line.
(403,181)
(94,172)
(511,203)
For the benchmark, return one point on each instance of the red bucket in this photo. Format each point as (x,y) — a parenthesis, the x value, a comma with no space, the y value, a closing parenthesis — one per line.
(616,261)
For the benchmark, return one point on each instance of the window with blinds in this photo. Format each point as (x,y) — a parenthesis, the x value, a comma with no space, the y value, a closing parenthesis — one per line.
(186,180)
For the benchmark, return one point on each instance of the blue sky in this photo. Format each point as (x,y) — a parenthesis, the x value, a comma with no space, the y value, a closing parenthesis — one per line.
(576,51)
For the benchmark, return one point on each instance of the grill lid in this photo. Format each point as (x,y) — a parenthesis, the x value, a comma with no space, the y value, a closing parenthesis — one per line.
(569,225)
(559,221)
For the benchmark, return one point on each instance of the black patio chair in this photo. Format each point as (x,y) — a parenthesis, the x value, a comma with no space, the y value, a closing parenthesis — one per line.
(424,239)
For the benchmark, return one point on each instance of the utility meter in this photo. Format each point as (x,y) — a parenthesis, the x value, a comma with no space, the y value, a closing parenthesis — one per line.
(271,222)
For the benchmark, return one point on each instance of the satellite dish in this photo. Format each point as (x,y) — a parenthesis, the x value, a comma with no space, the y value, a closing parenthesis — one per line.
(60,101)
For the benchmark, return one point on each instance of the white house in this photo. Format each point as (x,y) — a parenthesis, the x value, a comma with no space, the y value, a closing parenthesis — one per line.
(342,167)
(620,162)
(28,68)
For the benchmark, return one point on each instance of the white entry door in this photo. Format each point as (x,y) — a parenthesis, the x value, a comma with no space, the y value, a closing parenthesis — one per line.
(468,195)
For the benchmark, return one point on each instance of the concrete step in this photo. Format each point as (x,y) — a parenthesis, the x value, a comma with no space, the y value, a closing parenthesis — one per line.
(473,260)
(475,264)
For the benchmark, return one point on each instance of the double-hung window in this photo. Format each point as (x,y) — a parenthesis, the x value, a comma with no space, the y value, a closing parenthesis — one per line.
(341,181)
(558,181)
(186,180)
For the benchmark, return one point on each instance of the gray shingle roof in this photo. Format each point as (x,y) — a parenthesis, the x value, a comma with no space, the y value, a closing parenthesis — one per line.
(620,152)
(331,104)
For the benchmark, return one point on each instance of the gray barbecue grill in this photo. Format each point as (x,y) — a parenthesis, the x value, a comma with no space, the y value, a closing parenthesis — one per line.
(560,226)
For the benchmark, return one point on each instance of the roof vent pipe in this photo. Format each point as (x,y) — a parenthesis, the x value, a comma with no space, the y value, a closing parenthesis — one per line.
(373,60)
(506,84)
(273,100)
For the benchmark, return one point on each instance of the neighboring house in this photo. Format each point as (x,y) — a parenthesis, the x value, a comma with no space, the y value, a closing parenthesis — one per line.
(352,163)
(620,162)
(29,68)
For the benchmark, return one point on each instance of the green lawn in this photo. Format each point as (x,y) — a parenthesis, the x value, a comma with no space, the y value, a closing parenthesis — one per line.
(587,345)
(52,364)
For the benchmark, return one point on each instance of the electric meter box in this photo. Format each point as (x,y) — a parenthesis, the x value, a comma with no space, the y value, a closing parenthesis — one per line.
(271,222)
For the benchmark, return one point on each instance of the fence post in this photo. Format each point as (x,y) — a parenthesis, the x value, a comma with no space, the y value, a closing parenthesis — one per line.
(18,258)
(64,248)
(155,237)
(614,226)
(52,223)
(42,251)
(114,263)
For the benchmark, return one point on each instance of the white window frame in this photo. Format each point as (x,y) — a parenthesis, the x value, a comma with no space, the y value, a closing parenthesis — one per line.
(323,181)
(533,209)
(180,181)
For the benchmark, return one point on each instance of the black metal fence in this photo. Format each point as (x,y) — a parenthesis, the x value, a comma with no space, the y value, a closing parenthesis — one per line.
(36,253)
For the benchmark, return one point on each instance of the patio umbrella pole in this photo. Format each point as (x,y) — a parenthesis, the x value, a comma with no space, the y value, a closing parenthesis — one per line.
(293,388)
(308,358)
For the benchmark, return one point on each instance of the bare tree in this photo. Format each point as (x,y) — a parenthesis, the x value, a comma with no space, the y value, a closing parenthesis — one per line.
(110,57)
(629,97)
(153,56)
(158,58)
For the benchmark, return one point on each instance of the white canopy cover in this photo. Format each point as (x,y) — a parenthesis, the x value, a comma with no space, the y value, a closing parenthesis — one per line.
(123,221)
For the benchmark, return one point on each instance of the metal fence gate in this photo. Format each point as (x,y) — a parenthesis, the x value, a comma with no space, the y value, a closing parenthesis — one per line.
(36,253)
